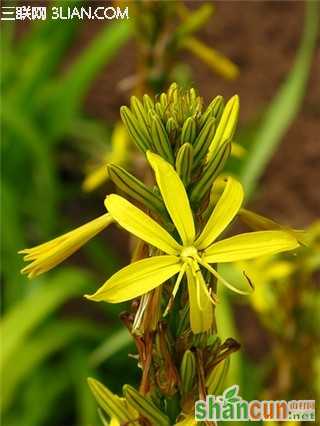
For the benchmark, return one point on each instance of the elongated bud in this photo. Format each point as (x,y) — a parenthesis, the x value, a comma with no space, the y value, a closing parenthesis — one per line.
(188,372)
(172,128)
(226,127)
(140,112)
(110,403)
(189,131)
(160,109)
(160,139)
(135,129)
(145,407)
(172,89)
(216,377)
(203,141)
(214,110)
(216,106)
(184,163)
(212,170)
(163,100)
(134,188)
(148,102)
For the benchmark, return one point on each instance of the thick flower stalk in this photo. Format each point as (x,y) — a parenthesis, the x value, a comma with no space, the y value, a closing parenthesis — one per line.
(180,223)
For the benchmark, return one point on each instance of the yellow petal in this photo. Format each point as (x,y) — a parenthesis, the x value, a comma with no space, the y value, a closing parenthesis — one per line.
(46,256)
(201,312)
(140,224)
(257,222)
(214,59)
(174,196)
(249,245)
(137,278)
(225,210)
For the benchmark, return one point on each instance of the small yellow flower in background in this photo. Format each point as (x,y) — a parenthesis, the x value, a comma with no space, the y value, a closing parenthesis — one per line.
(118,155)
(189,254)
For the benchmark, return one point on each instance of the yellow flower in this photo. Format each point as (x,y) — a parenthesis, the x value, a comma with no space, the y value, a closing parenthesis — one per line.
(117,155)
(191,252)
(48,255)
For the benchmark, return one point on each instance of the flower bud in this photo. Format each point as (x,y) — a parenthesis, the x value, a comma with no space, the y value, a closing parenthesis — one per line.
(145,407)
(226,127)
(216,377)
(212,170)
(160,139)
(203,141)
(189,131)
(136,130)
(188,372)
(135,188)
(112,404)
(184,164)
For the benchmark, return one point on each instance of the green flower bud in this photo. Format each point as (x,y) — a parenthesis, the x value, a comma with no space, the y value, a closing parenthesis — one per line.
(216,377)
(189,131)
(145,407)
(135,188)
(184,164)
(140,112)
(110,403)
(214,110)
(226,127)
(147,102)
(135,129)
(188,372)
(203,141)
(212,170)
(160,139)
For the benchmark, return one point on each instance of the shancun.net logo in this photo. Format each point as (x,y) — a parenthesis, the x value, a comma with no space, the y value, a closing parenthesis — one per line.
(231,407)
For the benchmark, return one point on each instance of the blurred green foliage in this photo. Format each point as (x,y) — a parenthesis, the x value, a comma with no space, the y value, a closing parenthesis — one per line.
(46,351)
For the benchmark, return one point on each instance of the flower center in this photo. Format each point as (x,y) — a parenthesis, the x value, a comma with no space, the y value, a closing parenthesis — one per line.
(189,252)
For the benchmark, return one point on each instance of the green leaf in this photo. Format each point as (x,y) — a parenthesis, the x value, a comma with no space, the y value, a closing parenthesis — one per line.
(284,107)
(36,349)
(73,86)
(113,344)
(30,312)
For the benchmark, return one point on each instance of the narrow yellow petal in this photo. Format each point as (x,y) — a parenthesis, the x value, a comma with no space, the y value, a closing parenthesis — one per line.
(257,222)
(46,256)
(225,210)
(214,59)
(201,312)
(140,224)
(137,278)
(174,196)
(250,245)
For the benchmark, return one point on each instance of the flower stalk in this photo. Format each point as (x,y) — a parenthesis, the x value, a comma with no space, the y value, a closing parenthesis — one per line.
(173,277)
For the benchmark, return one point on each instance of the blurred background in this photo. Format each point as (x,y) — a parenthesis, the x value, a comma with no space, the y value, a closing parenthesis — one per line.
(62,84)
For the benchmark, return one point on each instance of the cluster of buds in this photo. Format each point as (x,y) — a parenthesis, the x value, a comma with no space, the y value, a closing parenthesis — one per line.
(179,227)
(196,142)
